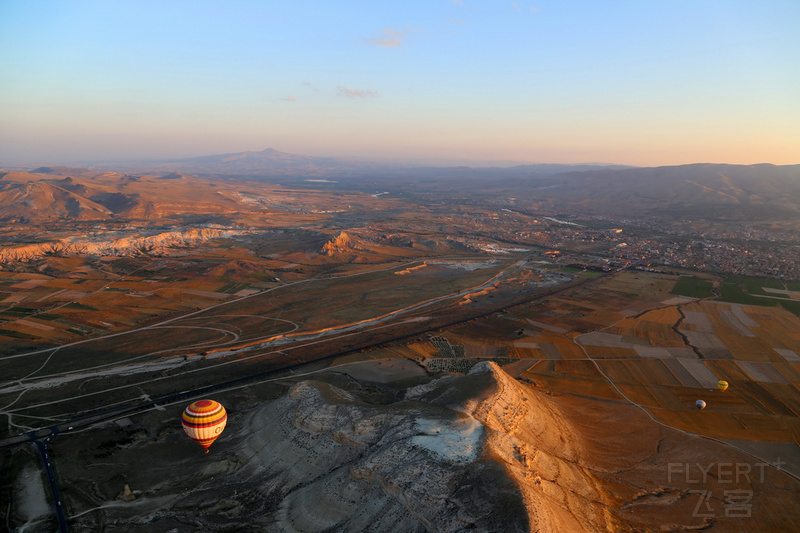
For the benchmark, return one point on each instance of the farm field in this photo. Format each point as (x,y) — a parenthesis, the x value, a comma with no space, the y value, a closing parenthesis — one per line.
(760,292)
(270,324)
(628,339)
(694,287)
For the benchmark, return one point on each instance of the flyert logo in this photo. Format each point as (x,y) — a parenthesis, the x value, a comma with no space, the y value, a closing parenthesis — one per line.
(737,503)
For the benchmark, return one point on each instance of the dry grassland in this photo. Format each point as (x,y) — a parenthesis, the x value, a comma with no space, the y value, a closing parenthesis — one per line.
(517,352)
(310,307)
(725,425)
(570,377)
(607,352)
(657,326)
(774,328)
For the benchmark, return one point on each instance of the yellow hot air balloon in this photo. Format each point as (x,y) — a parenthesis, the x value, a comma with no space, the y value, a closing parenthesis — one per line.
(204,421)
(722,384)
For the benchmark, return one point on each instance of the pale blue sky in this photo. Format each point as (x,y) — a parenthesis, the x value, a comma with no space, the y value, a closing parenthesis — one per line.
(637,82)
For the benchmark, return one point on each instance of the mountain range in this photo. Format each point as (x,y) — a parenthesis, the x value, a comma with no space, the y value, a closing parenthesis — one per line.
(691,191)
(276,164)
(145,189)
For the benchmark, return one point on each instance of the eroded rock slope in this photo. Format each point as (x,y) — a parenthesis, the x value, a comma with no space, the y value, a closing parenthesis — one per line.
(477,452)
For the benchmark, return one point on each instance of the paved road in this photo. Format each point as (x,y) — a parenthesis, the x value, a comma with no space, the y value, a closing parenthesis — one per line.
(42,445)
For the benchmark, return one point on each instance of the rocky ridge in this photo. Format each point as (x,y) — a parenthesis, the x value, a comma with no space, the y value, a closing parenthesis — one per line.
(477,452)
(480,452)
(157,245)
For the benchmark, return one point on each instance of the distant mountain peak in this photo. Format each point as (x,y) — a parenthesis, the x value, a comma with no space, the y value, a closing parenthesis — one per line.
(173,176)
(266,152)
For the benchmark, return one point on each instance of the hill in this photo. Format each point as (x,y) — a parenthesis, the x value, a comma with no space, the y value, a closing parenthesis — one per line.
(271,163)
(69,194)
(717,190)
(265,163)
(151,189)
(478,452)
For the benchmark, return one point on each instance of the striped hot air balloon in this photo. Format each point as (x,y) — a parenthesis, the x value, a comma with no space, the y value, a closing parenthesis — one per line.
(204,421)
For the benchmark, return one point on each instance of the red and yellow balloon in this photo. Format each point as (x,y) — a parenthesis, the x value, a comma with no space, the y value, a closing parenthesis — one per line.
(204,421)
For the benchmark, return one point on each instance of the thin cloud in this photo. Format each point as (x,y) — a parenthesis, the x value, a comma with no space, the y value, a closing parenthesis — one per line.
(390,39)
(289,99)
(519,7)
(356,93)
(457,21)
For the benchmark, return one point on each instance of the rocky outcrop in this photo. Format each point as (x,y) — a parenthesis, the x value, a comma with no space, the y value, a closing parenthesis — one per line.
(158,244)
(527,433)
(473,452)
(371,242)
(342,243)
(479,452)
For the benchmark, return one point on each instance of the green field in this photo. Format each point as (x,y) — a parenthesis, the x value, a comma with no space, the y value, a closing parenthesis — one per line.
(80,307)
(734,293)
(793,285)
(756,285)
(694,287)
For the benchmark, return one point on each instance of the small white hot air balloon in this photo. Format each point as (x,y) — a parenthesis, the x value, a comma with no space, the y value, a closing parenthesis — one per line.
(700,404)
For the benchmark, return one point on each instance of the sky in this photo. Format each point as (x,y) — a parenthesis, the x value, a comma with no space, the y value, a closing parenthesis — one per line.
(550,81)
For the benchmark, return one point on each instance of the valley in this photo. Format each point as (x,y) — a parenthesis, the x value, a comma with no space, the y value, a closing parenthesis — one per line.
(518,267)
(455,322)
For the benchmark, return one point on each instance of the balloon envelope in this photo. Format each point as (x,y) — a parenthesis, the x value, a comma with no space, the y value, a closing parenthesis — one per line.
(204,421)
(700,404)
(722,384)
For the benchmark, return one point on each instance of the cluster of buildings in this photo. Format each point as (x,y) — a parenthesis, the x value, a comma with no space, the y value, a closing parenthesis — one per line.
(782,262)
(740,249)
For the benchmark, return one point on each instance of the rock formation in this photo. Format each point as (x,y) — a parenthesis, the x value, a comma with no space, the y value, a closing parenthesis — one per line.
(157,244)
(473,452)
(341,243)
(479,452)
(126,494)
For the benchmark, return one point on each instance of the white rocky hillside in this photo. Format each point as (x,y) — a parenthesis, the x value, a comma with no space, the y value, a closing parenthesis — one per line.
(478,452)
(130,245)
